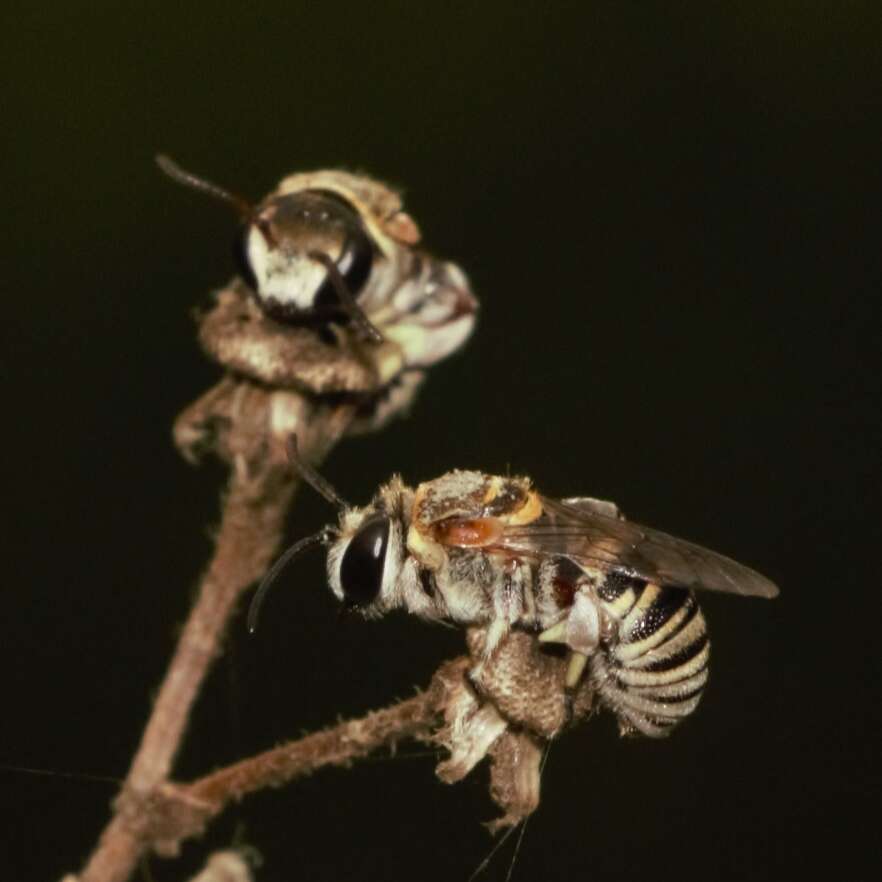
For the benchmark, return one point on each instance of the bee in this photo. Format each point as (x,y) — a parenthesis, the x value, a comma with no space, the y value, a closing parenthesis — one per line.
(332,248)
(474,549)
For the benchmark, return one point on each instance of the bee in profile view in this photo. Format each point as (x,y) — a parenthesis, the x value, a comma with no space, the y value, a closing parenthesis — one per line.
(474,549)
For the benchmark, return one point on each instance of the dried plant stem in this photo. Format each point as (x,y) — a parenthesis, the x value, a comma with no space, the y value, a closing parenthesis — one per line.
(233,568)
(256,422)
(176,812)
(337,745)
(199,802)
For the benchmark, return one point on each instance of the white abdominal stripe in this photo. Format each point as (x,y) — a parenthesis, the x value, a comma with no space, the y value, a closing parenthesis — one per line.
(653,675)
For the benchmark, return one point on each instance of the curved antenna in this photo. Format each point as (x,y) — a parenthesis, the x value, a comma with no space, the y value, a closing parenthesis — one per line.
(321,538)
(321,485)
(194,182)
(347,301)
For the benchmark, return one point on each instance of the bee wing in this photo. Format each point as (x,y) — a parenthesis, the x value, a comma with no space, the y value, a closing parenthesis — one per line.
(589,503)
(586,534)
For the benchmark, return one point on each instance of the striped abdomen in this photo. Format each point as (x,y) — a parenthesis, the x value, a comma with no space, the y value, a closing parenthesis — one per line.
(653,670)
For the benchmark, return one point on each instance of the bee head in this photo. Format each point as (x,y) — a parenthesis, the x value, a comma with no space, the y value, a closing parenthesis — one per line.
(297,248)
(365,552)
(306,255)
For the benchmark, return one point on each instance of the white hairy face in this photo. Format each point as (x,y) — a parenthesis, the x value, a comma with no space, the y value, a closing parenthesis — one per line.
(283,275)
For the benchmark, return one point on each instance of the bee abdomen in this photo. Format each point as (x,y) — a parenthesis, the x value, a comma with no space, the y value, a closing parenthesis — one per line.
(653,671)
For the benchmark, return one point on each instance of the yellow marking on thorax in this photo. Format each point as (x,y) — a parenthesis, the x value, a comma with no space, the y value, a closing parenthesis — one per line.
(528,512)
(426,550)
(494,486)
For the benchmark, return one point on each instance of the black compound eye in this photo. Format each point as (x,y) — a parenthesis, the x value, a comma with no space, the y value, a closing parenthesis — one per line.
(354,265)
(361,570)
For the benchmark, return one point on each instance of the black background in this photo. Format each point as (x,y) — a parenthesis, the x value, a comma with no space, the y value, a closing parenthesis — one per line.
(671,214)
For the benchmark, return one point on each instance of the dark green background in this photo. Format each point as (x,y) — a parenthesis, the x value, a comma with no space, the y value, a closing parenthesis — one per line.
(671,214)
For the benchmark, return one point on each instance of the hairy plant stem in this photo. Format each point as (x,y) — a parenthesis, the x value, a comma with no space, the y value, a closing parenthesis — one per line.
(186,809)
(335,746)
(247,425)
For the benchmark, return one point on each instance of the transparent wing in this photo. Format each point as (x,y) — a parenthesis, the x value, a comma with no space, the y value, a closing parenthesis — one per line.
(587,535)
(601,506)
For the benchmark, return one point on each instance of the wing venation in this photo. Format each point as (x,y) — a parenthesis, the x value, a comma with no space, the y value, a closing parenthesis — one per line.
(594,539)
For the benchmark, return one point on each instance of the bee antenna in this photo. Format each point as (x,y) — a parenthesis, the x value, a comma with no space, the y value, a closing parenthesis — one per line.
(169,167)
(321,485)
(347,301)
(323,537)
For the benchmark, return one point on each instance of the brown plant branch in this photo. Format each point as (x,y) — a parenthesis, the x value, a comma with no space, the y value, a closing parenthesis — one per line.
(247,425)
(337,745)
(440,715)
(182,811)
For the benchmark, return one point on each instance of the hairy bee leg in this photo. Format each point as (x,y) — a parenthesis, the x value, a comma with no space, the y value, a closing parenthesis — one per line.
(496,633)
(508,606)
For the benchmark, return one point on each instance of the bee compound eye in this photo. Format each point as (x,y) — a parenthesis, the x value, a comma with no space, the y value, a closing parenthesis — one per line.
(354,265)
(361,569)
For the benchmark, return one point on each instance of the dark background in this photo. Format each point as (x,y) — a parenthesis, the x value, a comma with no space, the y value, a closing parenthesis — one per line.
(671,214)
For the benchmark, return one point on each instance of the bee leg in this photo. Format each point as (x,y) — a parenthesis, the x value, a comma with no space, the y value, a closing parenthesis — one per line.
(563,633)
(495,635)
(555,634)
(508,606)
(575,669)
